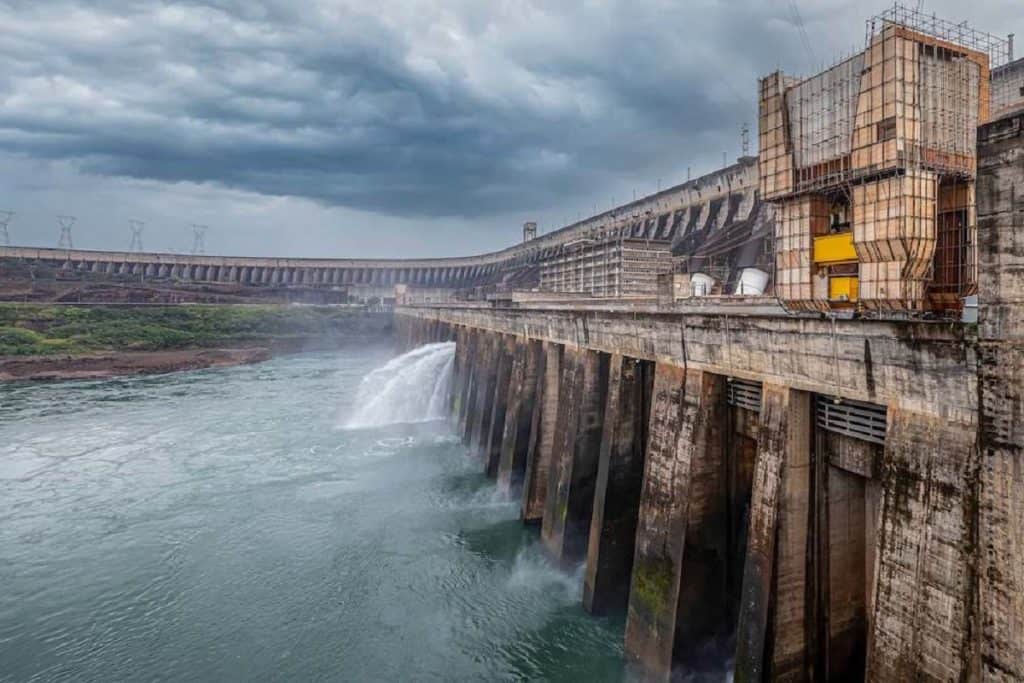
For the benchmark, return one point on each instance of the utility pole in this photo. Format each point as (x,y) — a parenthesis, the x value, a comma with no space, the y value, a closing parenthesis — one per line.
(136,227)
(5,220)
(199,238)
(65,223)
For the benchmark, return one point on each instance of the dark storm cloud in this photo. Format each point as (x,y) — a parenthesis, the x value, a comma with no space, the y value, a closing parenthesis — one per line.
(402,107)
(409,108)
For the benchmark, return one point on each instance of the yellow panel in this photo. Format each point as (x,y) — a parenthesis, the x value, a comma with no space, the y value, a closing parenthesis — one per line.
(834,248)
(842,289)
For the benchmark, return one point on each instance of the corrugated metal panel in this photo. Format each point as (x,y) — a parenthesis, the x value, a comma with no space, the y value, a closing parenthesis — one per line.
(744,394)
(864,421)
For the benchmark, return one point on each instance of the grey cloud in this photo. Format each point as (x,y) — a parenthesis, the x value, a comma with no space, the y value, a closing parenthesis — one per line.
(417,108)
(404,108)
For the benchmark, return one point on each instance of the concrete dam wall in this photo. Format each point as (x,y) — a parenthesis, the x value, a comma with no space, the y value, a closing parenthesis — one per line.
(824,498)
(691,219)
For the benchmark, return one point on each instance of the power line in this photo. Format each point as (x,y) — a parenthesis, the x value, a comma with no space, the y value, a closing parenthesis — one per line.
(798,20)
(136,227)
(65,223)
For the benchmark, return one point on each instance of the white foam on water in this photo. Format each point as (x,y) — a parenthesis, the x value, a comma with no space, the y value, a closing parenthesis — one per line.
(533,573)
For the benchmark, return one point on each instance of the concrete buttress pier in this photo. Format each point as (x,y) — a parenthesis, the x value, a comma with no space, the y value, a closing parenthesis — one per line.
(542,434)
(572,474)
(814,498)
(612,542)
(524,385)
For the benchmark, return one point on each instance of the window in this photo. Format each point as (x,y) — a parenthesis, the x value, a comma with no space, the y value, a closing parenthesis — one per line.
(887,129)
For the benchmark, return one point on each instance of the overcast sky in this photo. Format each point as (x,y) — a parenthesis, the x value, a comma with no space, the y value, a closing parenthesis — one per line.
(383,128)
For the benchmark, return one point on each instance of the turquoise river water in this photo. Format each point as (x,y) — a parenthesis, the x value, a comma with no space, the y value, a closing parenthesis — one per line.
(289,521)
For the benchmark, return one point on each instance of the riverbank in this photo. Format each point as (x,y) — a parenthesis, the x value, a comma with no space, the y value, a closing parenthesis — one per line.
(124,363)
(40,342)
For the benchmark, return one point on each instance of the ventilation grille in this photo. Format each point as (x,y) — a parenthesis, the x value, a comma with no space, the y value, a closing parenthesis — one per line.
(864,421)
(744,394)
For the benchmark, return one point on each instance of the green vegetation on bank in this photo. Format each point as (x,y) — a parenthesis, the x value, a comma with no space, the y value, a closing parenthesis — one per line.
(29,329)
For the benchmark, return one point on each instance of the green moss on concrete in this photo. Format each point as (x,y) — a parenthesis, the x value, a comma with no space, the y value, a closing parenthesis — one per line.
(652,586)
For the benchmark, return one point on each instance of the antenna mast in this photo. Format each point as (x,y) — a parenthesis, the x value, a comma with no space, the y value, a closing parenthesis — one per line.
(65,223)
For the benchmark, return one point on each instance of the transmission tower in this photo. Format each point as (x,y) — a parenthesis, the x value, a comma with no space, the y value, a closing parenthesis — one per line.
(136,228)
(5,220)
(65,223)
(199,238)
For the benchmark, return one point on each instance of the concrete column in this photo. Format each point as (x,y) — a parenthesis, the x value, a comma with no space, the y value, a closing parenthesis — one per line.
(619,481)
(522,398)
(542,435)
(467,350)
(493,439)
(772,639)
(470,381)
(573,475)
(678,583)
(485,378)
(1001,382)
(922,623)
(458,372)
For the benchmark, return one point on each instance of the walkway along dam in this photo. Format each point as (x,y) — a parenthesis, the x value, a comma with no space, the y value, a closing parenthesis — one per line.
(845,496)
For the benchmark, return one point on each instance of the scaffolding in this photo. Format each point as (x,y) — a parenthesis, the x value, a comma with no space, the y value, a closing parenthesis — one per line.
(607,263)
(871,165)
(996,48)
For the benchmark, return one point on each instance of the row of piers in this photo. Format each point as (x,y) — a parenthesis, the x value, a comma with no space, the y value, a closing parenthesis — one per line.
(818,499)
(800,535)
(250,271)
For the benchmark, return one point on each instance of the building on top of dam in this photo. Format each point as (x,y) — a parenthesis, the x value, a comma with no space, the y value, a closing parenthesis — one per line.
(1008,88)
(862,200)
(710,229)
(872,165)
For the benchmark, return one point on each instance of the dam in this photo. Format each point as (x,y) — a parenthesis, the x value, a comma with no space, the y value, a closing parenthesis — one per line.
(839,496)
(780,406)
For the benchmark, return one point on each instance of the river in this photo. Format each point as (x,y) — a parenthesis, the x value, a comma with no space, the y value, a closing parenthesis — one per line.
(300,520)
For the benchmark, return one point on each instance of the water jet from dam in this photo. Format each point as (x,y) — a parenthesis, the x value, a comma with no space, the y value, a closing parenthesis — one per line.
(408,389)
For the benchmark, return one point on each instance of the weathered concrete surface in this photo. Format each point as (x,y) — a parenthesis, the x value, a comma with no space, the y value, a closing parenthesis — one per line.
(486,378)
(522,400)
(1001,440)
(619,483)
(679,571)
(661,530)
(542,435)
(468,381)
(460,370)
(492,439)
(573,473)
(771,636)
(924,604)
(929,368)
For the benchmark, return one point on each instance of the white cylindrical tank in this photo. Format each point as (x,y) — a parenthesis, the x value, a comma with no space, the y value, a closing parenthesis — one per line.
(701,284)
(753,282)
